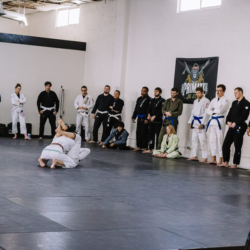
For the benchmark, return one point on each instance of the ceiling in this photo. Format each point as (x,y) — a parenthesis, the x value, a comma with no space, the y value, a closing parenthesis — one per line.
(42,5)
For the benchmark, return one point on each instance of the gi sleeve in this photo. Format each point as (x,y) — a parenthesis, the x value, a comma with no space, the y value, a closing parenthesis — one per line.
(210,108)
(119,107)
(223,108)
(110,137)
(174,145)
(135,113)
(229,115)
(91,103)
(123,140)
(149,110)
(96,105)
(243,117)
(206,116)
(39,101)
(191,116)
(164,108)
(13,101)
(158,113)
(56,100)
(76,103)
(23,100)
(178,112)
(163,144)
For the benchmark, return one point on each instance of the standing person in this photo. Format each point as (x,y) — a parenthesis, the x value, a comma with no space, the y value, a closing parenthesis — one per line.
(198,121)
(172,109)
(83,103)
(217,110)
(114,114)
(155,119)
(140,111)
(236,121)
(48,105)
(100,112)
(18,99)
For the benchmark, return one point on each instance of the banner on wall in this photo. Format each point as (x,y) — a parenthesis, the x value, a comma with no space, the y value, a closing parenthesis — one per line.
(193,73)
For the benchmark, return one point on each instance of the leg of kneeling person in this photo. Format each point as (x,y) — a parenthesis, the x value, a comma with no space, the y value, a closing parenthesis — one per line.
(84,152)
(173,155)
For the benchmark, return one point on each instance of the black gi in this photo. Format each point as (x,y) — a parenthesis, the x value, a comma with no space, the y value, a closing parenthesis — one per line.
(111,122)
(140,111)
(102,104)
(154,109)
(238,114)
(47,100)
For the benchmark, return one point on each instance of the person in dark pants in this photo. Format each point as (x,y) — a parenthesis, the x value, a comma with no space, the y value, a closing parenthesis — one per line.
(140,112)
(236,121)
(155,120)
(48,105)
(100,113)
(114,114)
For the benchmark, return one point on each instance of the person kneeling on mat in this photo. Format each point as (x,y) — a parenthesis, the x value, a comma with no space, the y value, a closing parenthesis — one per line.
(121,135)
(169,145)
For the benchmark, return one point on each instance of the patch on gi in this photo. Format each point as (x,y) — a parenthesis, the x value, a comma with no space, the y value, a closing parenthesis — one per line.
(246,107)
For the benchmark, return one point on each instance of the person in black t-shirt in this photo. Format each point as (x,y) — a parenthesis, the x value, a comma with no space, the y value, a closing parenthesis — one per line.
(155,120)
(100,112)
(48,105)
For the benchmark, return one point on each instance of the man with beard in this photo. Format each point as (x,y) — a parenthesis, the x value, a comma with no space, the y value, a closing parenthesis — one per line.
(236,121)
(155,120)
(100,112)
(140,112)
(172,108)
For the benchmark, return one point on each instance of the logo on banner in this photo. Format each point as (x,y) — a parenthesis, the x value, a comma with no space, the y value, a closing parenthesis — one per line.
(194,79)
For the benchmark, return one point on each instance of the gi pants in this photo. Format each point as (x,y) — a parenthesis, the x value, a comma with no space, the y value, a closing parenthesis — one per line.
(216,134)
(199,135)
(52,120)
(154,131)
(141,133)
(237,138)
(121,146)
(173,155)
(113,122)
(83,119)
(99,119)
(15,116)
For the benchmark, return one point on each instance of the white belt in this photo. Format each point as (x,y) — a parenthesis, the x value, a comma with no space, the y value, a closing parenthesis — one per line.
(102,112)
(115,116)
(15,108)
(45,108)
(82,112)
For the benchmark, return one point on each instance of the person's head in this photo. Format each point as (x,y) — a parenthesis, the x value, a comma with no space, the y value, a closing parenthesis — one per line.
(84,90)
(120,126)
(47,86)
(238,93)
(18,88)
(220,90)
(158,92)
(117,94)
(199,92)
(174,93)
(144,91)
(106,89)
(170,129)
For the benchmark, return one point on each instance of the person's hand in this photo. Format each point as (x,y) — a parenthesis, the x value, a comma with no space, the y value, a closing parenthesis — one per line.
(149,117)
(233,125)
(229,124)
(112,145)
(146,122)
(133,120)
(84,108)
(248,131)
(166,154)
(152,118)
(103,146)
(111,107)
(41,112)
(93,116)
(18,101)
(201,126)
(55,113)
(190,125)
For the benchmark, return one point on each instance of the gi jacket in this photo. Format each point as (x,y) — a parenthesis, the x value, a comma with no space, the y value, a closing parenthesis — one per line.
(141,107)
(172,144)
(17,106)
(155,107)
(239,112)
(122,139)
(86,102)
(101,105)
(200,110)
(47,100)
(117,106)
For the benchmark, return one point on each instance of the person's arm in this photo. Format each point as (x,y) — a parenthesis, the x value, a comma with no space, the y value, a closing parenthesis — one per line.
(57,102)
(191,116)
(163,143)
(96,105)
(164,108)
(174,144)
(39,100)
(110,137)
(91,103)
(210,108)
(178,112)
(23,100)
(119,107)
(205,116)
(229,115)
(244,115)
(76,103)
(149,110)
(223,108)
(135,113)
(66,134)
(13,101)
(123,140)
(158,111)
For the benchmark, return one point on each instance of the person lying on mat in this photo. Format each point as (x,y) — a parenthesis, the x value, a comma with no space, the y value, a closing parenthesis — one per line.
(169,145)
(121,135)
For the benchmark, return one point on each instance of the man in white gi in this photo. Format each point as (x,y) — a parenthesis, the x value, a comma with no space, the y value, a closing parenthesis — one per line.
(217,110)
(83,103)
(198,121)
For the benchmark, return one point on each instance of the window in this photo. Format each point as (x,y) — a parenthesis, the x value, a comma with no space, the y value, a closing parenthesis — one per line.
(68,17)
(186,5)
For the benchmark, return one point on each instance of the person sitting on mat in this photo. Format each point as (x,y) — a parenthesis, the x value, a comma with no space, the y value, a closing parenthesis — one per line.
(169,145)
(121,135)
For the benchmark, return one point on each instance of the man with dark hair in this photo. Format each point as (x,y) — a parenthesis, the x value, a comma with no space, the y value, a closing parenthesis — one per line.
(236,121)
(140,112)
(83,103)
(197,122)
(155,119)
(172,108)
(114,114)
(100,112)
(48,105)
(217,110)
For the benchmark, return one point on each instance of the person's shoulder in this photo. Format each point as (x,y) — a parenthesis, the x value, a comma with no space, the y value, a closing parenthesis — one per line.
(179,99)
(162,99)
(175,136)
(246,101)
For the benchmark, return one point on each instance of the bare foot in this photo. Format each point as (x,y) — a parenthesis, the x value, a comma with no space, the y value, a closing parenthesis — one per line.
(15,137)
(137,149)
(41,163)
(101,143)
(149,151)
(248,170)
(27,138)
(234,166)
(53,165)
(87,140)
(203,161)
(131,148)
(225,165)
(160,156)
(212,162)
(193,159)
(40,138)
(92,141)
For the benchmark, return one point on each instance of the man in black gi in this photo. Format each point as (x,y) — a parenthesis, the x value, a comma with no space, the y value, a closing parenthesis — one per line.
(140,111)
(114,114)
(236,121)
(100,112)
(155,120)
(48,105)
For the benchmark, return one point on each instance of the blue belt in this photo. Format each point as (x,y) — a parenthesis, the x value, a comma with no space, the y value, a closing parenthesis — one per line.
(215,118)
(172,119)
(176,149)
(141,116)
(196,118)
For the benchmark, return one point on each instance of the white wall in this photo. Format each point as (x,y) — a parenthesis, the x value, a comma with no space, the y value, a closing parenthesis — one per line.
(135,43)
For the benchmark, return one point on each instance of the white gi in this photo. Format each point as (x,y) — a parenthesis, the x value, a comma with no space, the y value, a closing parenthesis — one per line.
(199,116)
(17,112)
(217,110)
(83,114)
